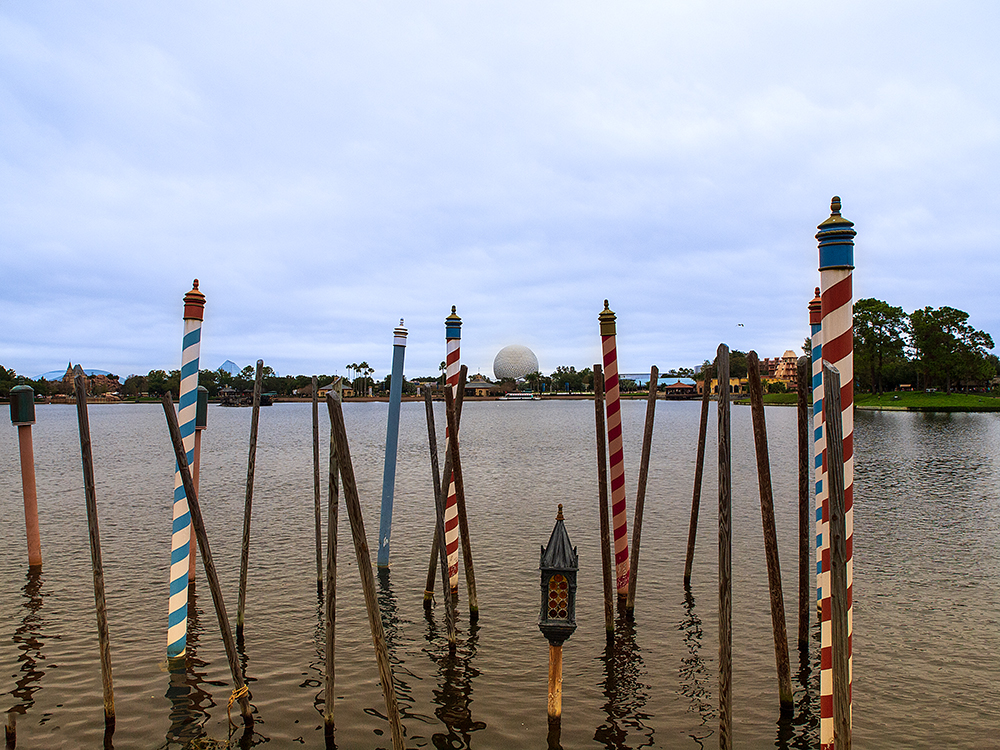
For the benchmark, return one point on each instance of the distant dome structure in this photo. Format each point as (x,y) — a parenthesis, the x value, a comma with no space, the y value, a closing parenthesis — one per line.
(514,362)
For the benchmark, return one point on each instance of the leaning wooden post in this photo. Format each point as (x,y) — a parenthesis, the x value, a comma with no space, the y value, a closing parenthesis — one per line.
(316,485)
(22,416)
(251,463)
(200,424)
(725,556)
(240,691)
(640,493)
(180,542)
(805,524)
(451,411)
(836,265)
(10,729)
(453,340)
(616,451)
(602,499)
(353,504)
(330,604)
(449,601)
(559,564)
(391,444)
(698,469)
(90,489)
(778,625)
(839,594)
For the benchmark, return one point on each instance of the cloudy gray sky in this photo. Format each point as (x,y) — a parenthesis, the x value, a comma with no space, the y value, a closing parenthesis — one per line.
(327,168)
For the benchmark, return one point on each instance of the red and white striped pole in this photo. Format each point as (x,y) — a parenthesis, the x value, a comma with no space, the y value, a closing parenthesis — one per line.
(453,340)
(616,453)
(836,264)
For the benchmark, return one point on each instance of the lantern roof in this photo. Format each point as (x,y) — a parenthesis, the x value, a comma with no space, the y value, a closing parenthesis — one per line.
(560,554)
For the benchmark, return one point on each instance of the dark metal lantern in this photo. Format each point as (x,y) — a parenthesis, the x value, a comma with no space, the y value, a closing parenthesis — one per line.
(201,410)
(559,564)
(22,405)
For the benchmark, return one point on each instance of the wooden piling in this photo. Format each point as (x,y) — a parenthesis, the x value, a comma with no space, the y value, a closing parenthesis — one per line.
(10,730)
(30,493)
(196,477)
(698,470)
(90,489)
(240,692)
(640,493)
(778,624)
(316,490)
(439,541)
(838,558)
(251,463)
(353,504)
(555,683)
(805,502)
(602,499)
(330,603)
(451,411)
(725,556)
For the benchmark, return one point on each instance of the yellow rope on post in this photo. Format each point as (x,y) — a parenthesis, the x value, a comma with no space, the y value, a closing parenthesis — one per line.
(233,697)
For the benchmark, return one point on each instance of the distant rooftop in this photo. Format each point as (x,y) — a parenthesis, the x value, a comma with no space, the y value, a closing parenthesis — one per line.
(52,375)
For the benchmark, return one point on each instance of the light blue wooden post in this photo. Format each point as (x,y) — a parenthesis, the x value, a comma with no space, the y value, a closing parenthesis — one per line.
(391,443)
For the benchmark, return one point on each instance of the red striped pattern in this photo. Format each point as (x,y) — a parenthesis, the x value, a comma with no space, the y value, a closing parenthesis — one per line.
(616,458)
(451,537)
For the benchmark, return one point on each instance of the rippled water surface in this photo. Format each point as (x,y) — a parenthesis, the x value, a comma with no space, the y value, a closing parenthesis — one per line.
(927,597)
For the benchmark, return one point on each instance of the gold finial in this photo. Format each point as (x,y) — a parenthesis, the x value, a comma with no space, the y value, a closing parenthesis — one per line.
(194,303)
(453,309)
(607,319)
(559,515)
(817,291)
(400,322)
(835,206)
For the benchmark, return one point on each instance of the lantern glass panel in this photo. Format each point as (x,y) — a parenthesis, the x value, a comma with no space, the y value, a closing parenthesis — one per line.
(558,597)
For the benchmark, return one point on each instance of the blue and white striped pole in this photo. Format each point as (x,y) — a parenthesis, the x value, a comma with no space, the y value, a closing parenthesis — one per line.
(180,543)
(819,439)
(391,443)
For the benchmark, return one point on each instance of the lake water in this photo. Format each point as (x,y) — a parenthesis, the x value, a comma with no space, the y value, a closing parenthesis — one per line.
(927,596)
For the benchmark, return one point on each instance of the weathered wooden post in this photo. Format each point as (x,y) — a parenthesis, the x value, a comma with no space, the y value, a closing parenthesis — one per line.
(778,625)
(330,604)
(616,451)
(353,504)
(316,486)
(558,563)
(439,543)
(240,691)
(248,504)
(840,598)
(391,444)
(451,411)
(805,505)
(836,264)
(706,393)
(640,493)
(22,416)
(90,490)
(10,729)
(200,424)
(602,499)
(180,542)
(725,555)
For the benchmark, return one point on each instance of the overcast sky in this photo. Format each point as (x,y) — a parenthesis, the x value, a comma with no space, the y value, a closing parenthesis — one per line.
(327,168)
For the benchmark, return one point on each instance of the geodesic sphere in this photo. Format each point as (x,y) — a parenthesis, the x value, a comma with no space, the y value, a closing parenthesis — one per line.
(514,362)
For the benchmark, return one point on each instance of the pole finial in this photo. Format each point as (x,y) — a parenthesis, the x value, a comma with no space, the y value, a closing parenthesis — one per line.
(194,303)
(607,319)
(835,206)
(559,515)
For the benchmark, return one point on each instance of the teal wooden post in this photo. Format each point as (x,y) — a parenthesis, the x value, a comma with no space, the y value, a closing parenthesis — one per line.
(391,444)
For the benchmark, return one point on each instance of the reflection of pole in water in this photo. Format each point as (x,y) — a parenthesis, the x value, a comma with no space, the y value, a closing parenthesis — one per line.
(189,703)
(625,692)
(453,700)
(694,677)
(389,609)
(28,639)
(801,730)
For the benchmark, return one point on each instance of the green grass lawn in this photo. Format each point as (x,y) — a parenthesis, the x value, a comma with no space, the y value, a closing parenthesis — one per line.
(937,401)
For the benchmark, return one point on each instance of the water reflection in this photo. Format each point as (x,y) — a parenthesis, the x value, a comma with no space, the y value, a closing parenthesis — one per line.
(189,702)
(625,692)
(695,679)
(28,639)
(801,730)
(456,672)
(392,626)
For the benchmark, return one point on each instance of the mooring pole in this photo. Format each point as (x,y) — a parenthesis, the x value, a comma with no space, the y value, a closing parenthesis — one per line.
(248,505)
(317,513)
(818,438)
(778,625)
(616,451)
(22,416)
(836,264)
(200,423)
(451,411)
(330,603)
(449,601)
(725,556)
(698,469)
(180,541)
(453,341)
(391,444)
(839,594)
(353,504)
(602,499)
(804,505)
(90,489)
(640,493)
(240,691)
